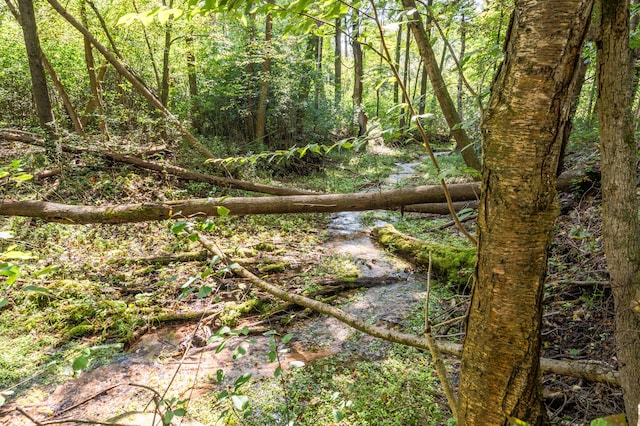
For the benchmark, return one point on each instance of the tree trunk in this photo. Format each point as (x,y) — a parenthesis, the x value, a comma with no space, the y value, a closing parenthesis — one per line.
(94,82)
(358,75)
(463,45)
(464,143)
(321,203)
(38,78)
(396,63)
(164,86)
(500,377)
(192,76)
(337,65)
(261,114)
(405,80)
(621,231)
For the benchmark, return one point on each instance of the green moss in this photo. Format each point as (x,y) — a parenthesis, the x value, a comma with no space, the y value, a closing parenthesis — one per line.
(274,268)
(80,330)
(232,311)
(455,264)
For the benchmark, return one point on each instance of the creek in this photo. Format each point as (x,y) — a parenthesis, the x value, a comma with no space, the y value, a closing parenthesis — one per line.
(153,361)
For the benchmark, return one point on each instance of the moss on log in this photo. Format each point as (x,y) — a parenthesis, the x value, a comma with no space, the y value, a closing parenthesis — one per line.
(454,264)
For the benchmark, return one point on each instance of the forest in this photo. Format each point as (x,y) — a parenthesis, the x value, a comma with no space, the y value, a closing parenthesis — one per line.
(319,212)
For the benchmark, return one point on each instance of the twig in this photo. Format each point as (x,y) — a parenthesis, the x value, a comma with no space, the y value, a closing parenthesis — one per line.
(24,413)
(84,401)
(436,357)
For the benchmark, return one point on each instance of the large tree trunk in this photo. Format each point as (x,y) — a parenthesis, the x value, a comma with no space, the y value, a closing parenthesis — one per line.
(621,230)
(38,78)
(321,203)
(523,132)
(464,143)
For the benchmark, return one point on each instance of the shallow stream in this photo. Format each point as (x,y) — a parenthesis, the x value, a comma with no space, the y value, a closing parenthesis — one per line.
(152,361)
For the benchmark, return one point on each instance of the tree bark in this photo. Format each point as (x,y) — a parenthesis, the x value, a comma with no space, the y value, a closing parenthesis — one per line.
(94,81)
(337,65)
(38,78)
(621,230)
(463,142)
(135,82)
(358,75)
(192,76)
(500,377)
(323,203)
(261,113)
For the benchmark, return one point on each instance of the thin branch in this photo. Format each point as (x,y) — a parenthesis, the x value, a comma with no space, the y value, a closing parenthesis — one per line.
(585,370)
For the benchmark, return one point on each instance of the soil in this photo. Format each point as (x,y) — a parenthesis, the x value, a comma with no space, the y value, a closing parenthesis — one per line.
(578,324)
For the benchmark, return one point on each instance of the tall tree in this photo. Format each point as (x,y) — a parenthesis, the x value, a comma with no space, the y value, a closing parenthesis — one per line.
(261,113)
(528,109)
(39,86)
(337,65)
(621,230)
(358,75)
(463,142)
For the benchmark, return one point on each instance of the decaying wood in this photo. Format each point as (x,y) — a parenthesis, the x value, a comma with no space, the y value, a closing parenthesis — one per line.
(585,370)
(33,139)
(142,212)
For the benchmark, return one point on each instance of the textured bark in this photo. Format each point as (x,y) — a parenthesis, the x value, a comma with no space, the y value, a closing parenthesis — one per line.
(325,203)
(38,78)
(621,231)
(358,75)
(337,65)
(261,113)
(463,142)
(94,81)
(523,131)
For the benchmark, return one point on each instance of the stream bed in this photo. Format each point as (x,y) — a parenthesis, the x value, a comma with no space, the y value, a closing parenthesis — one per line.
(154,360)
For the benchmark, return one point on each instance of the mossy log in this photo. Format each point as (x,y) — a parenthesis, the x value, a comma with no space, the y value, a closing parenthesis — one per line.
(455,264)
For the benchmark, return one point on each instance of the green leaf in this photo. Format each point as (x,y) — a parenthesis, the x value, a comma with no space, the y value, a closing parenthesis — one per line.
(223,211)
(286,338)
(178,227)
(81,362)
(180,412)
(337,415)
(240,402)
(242,380)
(204,291)
(168,416)
(219,376)
(3,302)
(278,372)
(37,289)
(16,255)
(46,270)
(221,347)
(22,177)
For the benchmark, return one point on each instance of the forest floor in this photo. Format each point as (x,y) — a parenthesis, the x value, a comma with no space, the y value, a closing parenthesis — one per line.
(102,310)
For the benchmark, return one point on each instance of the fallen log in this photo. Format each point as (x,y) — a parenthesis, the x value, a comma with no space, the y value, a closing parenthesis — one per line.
(322,203)
(11,135)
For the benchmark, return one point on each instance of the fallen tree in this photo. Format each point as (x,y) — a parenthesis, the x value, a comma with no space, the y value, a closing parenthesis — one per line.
(12,135)
(324,203)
